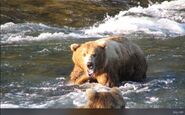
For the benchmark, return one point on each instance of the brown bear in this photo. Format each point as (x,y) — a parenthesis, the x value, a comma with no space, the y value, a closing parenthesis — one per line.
(112,99)
(108,61)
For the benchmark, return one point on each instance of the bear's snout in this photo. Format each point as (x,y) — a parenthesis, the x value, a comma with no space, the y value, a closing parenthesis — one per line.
(90,65)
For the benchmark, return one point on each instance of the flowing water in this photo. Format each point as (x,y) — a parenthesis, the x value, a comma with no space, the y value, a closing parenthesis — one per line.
(36,59)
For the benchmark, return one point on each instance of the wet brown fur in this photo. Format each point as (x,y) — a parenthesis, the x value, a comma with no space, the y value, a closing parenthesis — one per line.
(108,100)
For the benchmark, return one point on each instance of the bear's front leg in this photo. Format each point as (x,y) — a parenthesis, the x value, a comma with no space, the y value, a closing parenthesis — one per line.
(76,74)
(82,79)
(104,79)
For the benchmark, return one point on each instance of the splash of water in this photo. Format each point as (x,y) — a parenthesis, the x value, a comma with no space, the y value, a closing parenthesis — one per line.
(165,19)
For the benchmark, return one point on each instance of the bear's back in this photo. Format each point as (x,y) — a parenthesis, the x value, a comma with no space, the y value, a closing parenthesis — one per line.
(116,48)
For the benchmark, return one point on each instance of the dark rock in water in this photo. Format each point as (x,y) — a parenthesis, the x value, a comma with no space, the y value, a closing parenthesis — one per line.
(73,13)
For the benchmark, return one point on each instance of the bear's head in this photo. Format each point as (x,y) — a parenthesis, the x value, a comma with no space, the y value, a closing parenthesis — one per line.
(110,99)
(89,56)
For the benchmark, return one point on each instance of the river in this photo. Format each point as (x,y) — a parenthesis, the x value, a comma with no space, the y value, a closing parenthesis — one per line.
(36,59)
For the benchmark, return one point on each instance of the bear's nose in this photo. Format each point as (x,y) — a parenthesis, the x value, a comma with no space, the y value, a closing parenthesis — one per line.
(90,65)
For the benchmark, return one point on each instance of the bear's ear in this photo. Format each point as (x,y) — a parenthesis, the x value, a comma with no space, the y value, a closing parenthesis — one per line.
(102,44)
(91,93)
(74,46)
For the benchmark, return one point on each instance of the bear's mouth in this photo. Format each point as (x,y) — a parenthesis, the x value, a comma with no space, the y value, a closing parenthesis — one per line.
(90,72)
(90,69)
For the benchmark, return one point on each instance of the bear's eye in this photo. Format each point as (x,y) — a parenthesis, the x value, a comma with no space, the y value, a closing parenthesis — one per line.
(94,55)
(84,54)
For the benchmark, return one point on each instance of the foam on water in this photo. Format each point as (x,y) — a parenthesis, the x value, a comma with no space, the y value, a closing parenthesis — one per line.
(165,19)
(152,100)
(9,106)
(47,94)
(15,33)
